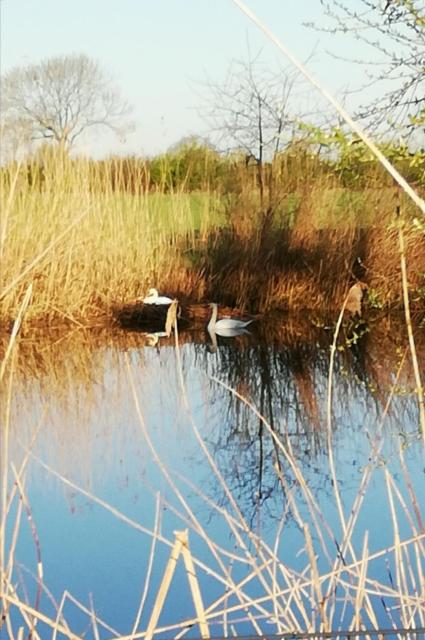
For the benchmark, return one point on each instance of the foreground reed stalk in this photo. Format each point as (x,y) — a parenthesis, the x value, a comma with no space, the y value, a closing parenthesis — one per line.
(405,285)
(181,547)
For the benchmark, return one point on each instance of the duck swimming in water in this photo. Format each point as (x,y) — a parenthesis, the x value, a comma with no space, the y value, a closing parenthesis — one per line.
(229,327)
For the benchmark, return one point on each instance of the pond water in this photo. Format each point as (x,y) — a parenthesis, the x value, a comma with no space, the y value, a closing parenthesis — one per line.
(297,516)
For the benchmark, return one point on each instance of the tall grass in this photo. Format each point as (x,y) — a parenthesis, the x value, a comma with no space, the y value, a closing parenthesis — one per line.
(122,242)
(89,236)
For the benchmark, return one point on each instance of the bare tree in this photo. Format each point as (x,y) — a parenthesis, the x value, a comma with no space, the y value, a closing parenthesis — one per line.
(249,112)
(394,32)
(61,97)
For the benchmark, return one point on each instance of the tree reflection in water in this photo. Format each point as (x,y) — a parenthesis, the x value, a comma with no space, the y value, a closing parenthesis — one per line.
(283,372)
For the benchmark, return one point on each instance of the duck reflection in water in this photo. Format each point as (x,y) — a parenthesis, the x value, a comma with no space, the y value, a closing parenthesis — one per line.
(153,338)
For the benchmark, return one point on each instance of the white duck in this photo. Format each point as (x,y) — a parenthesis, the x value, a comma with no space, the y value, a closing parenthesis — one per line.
(153,297)
(229,327)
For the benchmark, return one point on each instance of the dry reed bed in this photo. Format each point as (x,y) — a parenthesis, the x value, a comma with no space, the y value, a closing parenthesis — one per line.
(111,245)
(87,246)
(264,264)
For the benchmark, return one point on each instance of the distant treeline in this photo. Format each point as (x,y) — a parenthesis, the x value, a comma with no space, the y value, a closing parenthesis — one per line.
(195,166)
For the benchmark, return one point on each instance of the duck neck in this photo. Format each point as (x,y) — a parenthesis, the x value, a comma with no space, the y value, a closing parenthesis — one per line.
(213,319)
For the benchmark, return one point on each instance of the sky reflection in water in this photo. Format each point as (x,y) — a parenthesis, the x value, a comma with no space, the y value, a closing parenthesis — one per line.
(91,434)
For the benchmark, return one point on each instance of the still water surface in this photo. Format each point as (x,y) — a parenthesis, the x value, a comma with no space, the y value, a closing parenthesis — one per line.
(171,439)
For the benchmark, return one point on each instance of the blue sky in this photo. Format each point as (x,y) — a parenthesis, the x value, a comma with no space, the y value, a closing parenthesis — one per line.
(161,51)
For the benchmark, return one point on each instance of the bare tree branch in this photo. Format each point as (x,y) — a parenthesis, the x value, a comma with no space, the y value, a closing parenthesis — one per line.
(249,114)
(249,111)
(59,98)
(394,32)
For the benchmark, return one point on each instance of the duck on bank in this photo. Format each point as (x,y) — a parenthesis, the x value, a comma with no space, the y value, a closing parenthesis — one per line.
(153,297)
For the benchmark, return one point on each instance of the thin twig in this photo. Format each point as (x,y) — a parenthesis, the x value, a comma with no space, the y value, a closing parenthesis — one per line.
(419,388)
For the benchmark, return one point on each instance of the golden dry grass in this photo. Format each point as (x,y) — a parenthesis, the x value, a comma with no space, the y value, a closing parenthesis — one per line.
(84,247)
(86,243)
